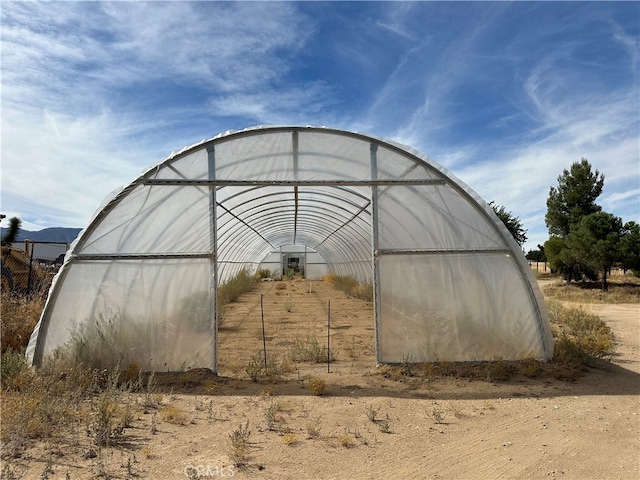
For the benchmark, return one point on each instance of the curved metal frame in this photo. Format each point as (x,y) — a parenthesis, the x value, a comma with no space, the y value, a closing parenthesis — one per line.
(350,230)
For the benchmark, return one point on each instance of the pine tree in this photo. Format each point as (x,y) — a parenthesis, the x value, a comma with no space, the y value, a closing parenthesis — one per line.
(574,197)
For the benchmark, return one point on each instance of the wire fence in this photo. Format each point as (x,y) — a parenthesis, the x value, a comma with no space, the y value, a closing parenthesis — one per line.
(544,267)
(29,267)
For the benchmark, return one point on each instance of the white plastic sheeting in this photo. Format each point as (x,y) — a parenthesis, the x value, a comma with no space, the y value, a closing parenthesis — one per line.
(450,284)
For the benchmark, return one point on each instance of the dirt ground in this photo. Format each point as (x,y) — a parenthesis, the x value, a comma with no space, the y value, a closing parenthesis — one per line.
(425,429)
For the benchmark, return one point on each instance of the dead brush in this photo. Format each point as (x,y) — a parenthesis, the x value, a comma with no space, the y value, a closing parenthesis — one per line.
(273,371)
(581,339)
(372,413)
(350,286)
(437,414)
(317,386)
(174,415)
(271,414)
(313,428)
(456,410)
(309,350)
(19,315)
(147,387)
(290,439)
(106,428)
(38,405)
(238,445)
(500,370)
(110,415)
(345,440)
(622,289)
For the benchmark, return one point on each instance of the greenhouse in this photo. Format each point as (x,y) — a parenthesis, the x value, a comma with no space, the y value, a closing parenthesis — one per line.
(449,282)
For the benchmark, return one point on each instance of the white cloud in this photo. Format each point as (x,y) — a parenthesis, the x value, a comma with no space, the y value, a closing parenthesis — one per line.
(63,165)
(630,44)
(71,133)
(92,93)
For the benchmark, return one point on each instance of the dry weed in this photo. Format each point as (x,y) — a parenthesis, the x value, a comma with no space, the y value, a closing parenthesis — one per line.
(19,315)
(345,440)
(622,289)
(313,428)
(174,415)
(290,439)
(309,350)
(317,386)
(238,445)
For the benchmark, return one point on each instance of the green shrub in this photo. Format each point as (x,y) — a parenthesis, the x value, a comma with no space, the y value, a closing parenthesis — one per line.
(231,290)
(263,273)
(257,371)
(581,335)
(581,339)
(13,367)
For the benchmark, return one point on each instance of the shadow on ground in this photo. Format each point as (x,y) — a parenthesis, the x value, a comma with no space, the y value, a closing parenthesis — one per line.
(604,379)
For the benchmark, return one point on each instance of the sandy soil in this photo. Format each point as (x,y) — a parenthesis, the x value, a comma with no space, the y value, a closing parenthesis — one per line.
(523,428)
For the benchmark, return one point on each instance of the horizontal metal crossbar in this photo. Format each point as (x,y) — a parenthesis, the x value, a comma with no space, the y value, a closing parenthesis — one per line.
(288,183)
(141,256)
(442,251)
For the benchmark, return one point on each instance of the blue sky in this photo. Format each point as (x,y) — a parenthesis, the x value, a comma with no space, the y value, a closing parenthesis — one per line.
(505,95)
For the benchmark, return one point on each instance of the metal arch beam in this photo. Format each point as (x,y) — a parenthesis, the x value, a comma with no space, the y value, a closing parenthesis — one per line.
(330,188)
(287,199)
(267,211)
(258,211)
(316,228)
(240,220)
(269,219)
(355,215)
(286,183)
(340,246)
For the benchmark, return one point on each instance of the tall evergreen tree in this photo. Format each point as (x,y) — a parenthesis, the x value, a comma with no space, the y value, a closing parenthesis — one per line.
(630,247)
(595,242)
(573,198)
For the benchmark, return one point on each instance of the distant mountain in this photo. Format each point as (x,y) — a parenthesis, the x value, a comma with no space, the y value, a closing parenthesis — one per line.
(55,234)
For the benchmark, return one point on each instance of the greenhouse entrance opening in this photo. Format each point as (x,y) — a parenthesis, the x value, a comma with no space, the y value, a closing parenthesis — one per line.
(295,331)
(300,318)
(294,264)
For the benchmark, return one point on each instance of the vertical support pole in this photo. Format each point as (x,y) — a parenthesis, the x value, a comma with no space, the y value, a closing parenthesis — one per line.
(304,265)
(264,338)
(213,269)
(329,336)
(374,247)
(294,149)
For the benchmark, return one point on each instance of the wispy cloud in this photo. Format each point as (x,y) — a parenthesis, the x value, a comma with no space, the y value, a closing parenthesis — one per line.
(91,90)
(506,95)
(547,106)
